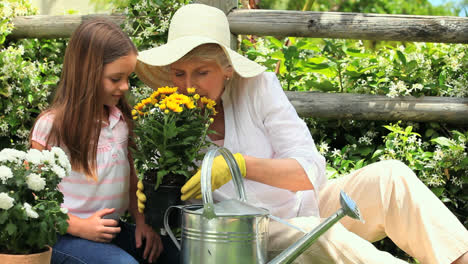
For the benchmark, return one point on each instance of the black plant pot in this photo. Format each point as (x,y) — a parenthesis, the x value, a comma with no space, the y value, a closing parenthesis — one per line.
(157,201)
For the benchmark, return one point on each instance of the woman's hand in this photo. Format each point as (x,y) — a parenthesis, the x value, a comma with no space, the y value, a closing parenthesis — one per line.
(154,245)
(220,175)
(95,227)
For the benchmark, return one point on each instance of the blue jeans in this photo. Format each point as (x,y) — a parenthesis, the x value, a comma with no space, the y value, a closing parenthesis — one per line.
(74,250)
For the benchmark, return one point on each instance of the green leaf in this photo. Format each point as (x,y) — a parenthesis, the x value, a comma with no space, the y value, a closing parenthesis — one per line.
(11,229)
(438,191)
(402,57)
(276,42)
(443,141)
(3,216)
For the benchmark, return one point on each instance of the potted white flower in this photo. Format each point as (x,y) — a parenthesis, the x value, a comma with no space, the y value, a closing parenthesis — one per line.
(30,212)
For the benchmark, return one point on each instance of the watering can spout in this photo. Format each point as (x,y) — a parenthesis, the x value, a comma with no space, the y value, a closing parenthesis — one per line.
(348,207)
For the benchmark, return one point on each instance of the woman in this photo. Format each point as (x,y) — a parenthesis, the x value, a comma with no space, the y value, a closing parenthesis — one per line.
(277,156)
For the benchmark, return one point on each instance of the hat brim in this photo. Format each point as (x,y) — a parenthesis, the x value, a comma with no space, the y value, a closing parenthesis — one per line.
(150,66)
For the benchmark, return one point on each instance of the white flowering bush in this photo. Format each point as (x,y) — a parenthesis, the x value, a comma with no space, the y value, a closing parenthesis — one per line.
(30,71)
(147,22)
(30,212)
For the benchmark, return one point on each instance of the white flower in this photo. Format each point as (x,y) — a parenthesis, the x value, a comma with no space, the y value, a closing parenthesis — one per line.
(59,171)
(29,211)
(62,158)
(6,202)
(64,210)
(5,174)
(34,156)
(11,155)
(35,182)
(48,157)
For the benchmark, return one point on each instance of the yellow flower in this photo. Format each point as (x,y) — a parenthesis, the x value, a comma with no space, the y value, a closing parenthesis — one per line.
(134,112)
(196,96)
(211,120)
(190,104)
(191,90)
(135,117)
(139,106)
(162,106)
(166,111)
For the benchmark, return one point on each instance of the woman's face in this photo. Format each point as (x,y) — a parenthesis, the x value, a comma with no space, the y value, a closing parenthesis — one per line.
(206,76)
(115,78)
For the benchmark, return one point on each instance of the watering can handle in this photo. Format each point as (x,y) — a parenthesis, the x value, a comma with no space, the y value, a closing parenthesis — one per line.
(206,177)
(166,224)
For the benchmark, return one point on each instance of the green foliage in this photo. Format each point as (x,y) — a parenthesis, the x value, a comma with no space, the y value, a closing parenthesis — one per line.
(171,131)
(333,65)
(30,71)
(30,213)
(147,21)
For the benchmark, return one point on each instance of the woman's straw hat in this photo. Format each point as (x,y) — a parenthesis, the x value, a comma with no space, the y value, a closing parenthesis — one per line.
(191,26)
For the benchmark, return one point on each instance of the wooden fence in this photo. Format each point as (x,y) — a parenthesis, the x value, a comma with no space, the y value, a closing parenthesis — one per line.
(319,25)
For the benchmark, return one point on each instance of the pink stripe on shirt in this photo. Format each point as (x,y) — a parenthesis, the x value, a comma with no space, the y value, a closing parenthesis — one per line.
(78,211)
(91,182)
(95,198)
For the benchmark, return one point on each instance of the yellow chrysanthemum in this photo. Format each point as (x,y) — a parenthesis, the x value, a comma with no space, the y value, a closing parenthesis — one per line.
(196,96)
(191,90)
(134,112)
(166,111)
(162,106)
(190,104)
(167,90)
(139,106)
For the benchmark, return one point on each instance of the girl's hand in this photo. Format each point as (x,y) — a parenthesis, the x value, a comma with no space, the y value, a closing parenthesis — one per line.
(154,245)
(98,229)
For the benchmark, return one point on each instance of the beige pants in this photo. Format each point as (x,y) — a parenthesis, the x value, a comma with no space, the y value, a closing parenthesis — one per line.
(393,203)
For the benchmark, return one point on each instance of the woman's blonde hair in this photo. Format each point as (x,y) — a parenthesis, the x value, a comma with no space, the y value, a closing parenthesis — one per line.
(208,52)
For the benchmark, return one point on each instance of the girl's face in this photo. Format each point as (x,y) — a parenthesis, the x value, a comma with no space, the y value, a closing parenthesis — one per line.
(206,76)
(115,78)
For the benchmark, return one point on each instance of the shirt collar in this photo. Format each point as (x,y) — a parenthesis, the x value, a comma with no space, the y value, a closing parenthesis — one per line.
(115,115)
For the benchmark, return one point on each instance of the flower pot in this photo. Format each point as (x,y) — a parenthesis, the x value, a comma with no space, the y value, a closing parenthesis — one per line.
(37,258)
(157,201)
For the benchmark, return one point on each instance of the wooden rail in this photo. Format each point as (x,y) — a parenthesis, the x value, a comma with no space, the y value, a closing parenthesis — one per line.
(380,107)
(288,23)
(320,25)
(349,25)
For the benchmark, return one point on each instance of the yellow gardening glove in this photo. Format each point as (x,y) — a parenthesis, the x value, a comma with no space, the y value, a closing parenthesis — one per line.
(141,197)
(220,175)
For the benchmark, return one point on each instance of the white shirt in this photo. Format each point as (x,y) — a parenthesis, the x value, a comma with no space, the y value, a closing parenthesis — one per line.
(261,122)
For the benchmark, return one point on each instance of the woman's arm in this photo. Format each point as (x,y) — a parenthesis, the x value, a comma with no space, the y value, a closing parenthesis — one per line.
(282,173)
(294,162)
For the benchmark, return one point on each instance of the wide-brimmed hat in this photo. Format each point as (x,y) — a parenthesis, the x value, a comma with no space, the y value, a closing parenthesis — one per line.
(191,26)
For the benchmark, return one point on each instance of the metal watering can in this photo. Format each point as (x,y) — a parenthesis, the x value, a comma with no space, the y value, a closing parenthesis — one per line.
(233,231)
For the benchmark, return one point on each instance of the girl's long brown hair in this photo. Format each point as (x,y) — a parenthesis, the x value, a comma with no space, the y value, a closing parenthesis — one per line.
(78,107)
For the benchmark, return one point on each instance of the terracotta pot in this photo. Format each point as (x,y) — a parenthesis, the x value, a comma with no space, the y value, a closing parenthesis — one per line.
(38,258)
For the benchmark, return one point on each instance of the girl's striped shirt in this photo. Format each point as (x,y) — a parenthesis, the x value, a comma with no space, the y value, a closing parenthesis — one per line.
(83,196)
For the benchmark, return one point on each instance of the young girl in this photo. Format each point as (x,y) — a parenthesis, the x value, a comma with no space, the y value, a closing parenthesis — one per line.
(91,120)
(283,170)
